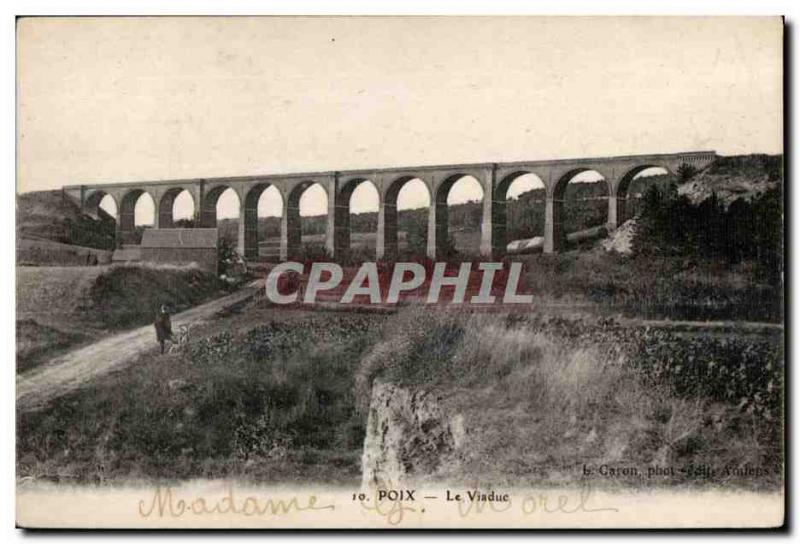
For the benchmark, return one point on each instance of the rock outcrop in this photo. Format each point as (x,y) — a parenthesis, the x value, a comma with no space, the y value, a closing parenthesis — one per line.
(733,178)
(409,436)
(620,240)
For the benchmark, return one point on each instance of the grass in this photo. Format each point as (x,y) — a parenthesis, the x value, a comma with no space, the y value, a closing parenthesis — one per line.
(53,289)
(50,215)
(36,342)
(63,307)
(656,287)
(46,308)
(541,398)
(284,397)
(49,253)
(129,295)
(651,287)
(266,402)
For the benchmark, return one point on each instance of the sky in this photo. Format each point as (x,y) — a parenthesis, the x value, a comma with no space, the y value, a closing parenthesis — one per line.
(125,99)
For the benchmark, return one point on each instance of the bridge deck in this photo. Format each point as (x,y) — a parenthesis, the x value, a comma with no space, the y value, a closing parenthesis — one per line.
(398,169)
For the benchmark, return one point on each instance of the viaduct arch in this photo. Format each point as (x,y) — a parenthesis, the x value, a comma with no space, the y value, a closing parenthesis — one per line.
(494,178)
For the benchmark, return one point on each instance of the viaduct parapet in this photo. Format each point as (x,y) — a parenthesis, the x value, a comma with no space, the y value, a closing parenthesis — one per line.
(495,179)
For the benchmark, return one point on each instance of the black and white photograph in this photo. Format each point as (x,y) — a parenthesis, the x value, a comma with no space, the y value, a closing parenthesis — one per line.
(394,272)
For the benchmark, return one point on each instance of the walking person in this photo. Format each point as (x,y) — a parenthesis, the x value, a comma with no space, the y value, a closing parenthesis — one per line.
(163,327)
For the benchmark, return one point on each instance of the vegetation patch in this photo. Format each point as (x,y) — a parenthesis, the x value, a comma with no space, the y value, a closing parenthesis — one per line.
(130,295)
(591,394)
(63,307)
(678,287)
(51,215)
(286,401)
(269,403)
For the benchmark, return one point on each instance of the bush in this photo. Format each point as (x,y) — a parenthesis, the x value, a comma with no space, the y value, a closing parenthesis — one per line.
(686,172)
(229,262)
(747,230)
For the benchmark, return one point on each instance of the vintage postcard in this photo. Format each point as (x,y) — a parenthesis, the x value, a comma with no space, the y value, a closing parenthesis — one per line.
(400,272)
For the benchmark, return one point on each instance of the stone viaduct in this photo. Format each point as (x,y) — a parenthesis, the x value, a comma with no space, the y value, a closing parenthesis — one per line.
(495,179)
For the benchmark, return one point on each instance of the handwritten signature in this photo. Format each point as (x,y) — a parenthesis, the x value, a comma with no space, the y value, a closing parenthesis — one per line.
(165,504)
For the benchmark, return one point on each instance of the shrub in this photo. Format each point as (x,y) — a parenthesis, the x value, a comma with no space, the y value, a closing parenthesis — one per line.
(671,224)
(686,172)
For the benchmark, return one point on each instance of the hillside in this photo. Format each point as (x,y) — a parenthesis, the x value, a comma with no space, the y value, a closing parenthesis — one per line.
(731,178)
(48,215)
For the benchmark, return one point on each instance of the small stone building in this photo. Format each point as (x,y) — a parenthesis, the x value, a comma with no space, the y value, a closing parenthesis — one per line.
(182,246)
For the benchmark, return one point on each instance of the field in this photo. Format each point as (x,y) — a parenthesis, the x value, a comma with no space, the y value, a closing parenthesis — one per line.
(282,397)
(48,253)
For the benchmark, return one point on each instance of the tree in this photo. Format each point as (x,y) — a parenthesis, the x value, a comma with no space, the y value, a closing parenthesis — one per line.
(227,256)
(686,172)
(417,235)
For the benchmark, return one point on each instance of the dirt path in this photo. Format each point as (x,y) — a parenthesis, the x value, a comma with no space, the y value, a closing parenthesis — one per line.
(75,368)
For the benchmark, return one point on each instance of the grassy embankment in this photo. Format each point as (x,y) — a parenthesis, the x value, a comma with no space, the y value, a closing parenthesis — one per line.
(541,397)
(268,401)
(62,307)
(654,287)
(283,399)
(50,215)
